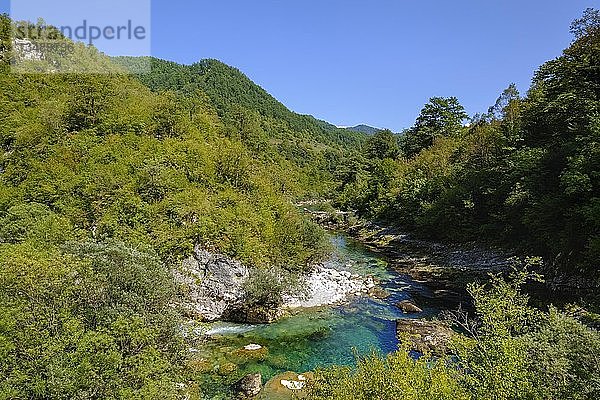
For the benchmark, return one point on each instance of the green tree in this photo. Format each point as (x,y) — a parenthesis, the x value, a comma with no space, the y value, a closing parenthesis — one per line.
(383,144)
(587,24)
(441,117)
(93,326)
(507,110)
(5,41)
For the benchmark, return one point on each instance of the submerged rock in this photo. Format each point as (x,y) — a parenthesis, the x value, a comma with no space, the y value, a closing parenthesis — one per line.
(226,369)
(379,293)
(425,336)
(286,386)
(249,386)
(250,353)
(408,307)
(200,365)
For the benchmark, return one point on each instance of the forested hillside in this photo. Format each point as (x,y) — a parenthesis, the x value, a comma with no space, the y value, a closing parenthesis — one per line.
(249,111)
(525,174)
(107,181)
(368,130)
(105,185)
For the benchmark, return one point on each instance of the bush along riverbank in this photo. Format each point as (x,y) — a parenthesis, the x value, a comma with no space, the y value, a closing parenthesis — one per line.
(509,350)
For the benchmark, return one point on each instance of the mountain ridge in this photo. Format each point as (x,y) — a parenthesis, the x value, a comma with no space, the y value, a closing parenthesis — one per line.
(362,128)
(230,89)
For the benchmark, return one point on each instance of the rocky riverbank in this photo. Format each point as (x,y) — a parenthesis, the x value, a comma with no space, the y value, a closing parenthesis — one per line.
(328,286)
(213,289)
(446,268)
(425,336)
(445,263)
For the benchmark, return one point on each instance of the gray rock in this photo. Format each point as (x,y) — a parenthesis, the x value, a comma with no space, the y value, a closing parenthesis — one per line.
(243,313)
(213,283)
(408,307)
(213,287)
(249,386)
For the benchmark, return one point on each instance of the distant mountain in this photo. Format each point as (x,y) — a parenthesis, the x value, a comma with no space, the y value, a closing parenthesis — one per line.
(231,92)
(365,129)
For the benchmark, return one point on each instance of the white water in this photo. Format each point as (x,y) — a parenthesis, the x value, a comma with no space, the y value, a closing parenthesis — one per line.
(228,329)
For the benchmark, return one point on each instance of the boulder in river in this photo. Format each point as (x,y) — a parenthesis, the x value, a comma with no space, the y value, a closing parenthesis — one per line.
(286,386)
(379,293)
(425,336)
(249,386)
(252,314)
(408,307)
(250,353)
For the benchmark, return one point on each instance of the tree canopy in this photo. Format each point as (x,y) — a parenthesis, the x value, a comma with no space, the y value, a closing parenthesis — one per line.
(441,117)
(523,175)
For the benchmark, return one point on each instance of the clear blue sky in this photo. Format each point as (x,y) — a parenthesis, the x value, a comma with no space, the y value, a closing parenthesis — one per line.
(376,61)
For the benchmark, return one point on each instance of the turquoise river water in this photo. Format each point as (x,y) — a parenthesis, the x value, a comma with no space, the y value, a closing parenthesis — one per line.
(313,339)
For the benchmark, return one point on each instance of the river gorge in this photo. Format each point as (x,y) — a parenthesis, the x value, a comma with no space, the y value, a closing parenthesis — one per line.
(311,338)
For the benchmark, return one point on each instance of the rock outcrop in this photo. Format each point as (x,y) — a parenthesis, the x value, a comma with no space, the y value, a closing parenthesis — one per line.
(250,353)
(408,307)
(213,283)
(214,289)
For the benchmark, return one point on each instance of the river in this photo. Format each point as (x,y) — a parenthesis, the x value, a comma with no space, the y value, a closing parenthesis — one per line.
(318,338)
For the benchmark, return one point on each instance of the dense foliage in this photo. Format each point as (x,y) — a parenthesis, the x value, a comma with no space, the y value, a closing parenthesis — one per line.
(526,174)
(107,180)
(251,114)
(87,321)
(104,185)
